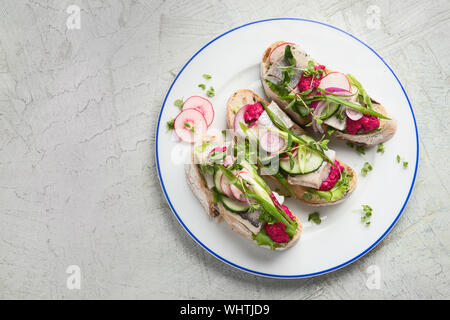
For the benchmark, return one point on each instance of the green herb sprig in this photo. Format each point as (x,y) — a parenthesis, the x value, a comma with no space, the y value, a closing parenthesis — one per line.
(367,210)
(365,170)
(405,163)
(315,217)
(179,103)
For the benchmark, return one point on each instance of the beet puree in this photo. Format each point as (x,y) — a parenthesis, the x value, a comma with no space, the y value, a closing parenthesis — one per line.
(366,123)
(277,232)
(306,83)
(252,112)
(333,177)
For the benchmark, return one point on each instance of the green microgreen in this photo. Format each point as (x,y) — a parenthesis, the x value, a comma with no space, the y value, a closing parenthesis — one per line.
(179,103)
(170,124)
(367,167)
(315,217)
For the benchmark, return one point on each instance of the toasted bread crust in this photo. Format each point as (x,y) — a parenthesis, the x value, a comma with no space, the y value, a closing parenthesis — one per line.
(246,96)
(217,211)
(388,127)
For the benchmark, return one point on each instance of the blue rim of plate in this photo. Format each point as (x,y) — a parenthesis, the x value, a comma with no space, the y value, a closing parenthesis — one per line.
(268,274)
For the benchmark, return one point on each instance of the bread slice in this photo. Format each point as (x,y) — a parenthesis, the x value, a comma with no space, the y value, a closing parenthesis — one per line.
(245,96)
(388,127)
(217,211)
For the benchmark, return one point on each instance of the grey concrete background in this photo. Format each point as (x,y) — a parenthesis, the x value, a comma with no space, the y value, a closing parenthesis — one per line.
(78,184)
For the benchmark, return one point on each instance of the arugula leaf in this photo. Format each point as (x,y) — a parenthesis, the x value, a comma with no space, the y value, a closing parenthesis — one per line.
(277,88)
(337,192)
(289,57)
(263,239)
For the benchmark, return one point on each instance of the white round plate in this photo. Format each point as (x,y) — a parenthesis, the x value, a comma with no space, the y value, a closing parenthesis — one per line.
(233,61)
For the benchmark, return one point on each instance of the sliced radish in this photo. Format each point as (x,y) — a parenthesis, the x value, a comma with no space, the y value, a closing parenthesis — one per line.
(278,51)
(228,160)
(237,194)
(190,125)
(336,80)
(201,104)
(317,112)
(218,149)
(226,188)
(353,114)
(271,142)
(238,119)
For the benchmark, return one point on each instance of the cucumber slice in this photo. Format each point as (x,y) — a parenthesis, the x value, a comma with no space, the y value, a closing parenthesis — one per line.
(329,110)
(217,176)
(285,165)
(234,205)
(313,162)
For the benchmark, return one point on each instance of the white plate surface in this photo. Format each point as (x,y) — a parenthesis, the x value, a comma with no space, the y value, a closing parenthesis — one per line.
(233,61)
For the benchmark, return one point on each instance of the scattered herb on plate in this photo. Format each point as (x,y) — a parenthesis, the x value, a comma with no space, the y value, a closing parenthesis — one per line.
(405,163)
(367,214)
(361,149)
(178,103)
(207,76)
(365,170)
(210,93)
(170,124)
(380,148)
(201,85)
(315,217)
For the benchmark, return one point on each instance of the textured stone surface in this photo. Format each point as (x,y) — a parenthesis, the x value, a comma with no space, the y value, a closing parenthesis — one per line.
(78,184)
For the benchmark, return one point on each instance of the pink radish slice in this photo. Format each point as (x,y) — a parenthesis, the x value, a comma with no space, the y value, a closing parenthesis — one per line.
(239,118)
(189,125)
(278,51)
(226,188)
(237,194)
(218,149)
(353,114)
(317,112)
(339,91)
(201,104)
(271,142)
(335,79)
(228,161)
